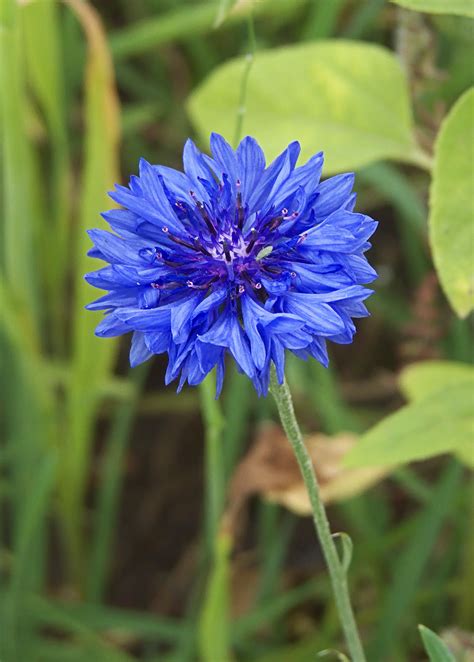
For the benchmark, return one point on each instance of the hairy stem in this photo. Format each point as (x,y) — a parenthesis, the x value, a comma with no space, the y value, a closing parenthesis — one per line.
(282,396)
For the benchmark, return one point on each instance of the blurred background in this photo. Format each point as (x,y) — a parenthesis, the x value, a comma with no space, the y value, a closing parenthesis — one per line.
(132,527)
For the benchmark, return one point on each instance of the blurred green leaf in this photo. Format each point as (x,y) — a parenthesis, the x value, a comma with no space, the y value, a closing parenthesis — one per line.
(335,654)
(40,26)
(32,518)
(80,617)
(222,12)
(346,98)
(452,205)
(183,22)
(17,257)
(214,635)
(112,475)
(435,646)
(93,358)
(461,7)
(42,35)
(85,638)
(276,607)
(420,380)
(407,568)
(439,423)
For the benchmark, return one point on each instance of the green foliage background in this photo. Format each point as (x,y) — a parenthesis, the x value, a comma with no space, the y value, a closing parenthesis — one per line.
(86,89)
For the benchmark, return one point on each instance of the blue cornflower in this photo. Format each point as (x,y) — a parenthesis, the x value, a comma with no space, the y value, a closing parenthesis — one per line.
(232,256)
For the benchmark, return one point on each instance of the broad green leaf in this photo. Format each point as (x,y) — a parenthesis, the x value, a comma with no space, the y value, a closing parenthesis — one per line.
(451,220)
(461,7)
(346,98)
(435,646)
(439,423)
(465,453)
(420,380)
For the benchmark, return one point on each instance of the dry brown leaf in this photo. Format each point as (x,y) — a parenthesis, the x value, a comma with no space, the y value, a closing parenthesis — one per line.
(270,469)
(460,642)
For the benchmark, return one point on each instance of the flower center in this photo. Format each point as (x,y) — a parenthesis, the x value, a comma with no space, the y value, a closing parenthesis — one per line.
(222,249)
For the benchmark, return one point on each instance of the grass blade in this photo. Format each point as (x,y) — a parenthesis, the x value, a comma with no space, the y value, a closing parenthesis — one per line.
(18,255)
(33,515)
(41,35)
(408,569)
(109,493)
(185,22)
(92,358)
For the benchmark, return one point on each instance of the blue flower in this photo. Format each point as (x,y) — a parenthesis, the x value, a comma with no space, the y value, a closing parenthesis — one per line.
(233,257)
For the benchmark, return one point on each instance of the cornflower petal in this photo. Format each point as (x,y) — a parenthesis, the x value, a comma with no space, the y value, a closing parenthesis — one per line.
(231,257)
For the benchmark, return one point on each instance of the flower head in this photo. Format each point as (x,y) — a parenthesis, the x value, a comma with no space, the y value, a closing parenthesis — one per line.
(233,257)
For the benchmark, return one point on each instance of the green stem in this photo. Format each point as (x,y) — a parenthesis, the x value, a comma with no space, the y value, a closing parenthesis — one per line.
(282,396)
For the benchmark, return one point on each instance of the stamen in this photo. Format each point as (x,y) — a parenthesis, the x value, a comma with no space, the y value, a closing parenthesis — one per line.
(205,216)
(251,243)
(181,242)
(225,248)
(203,286)
(272,270)
(240,209)
(198,246)
(275,223)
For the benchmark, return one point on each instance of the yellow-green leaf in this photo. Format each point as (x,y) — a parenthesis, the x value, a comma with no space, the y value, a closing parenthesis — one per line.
(420,380)
(346,98)
(440,423)
(452,205)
